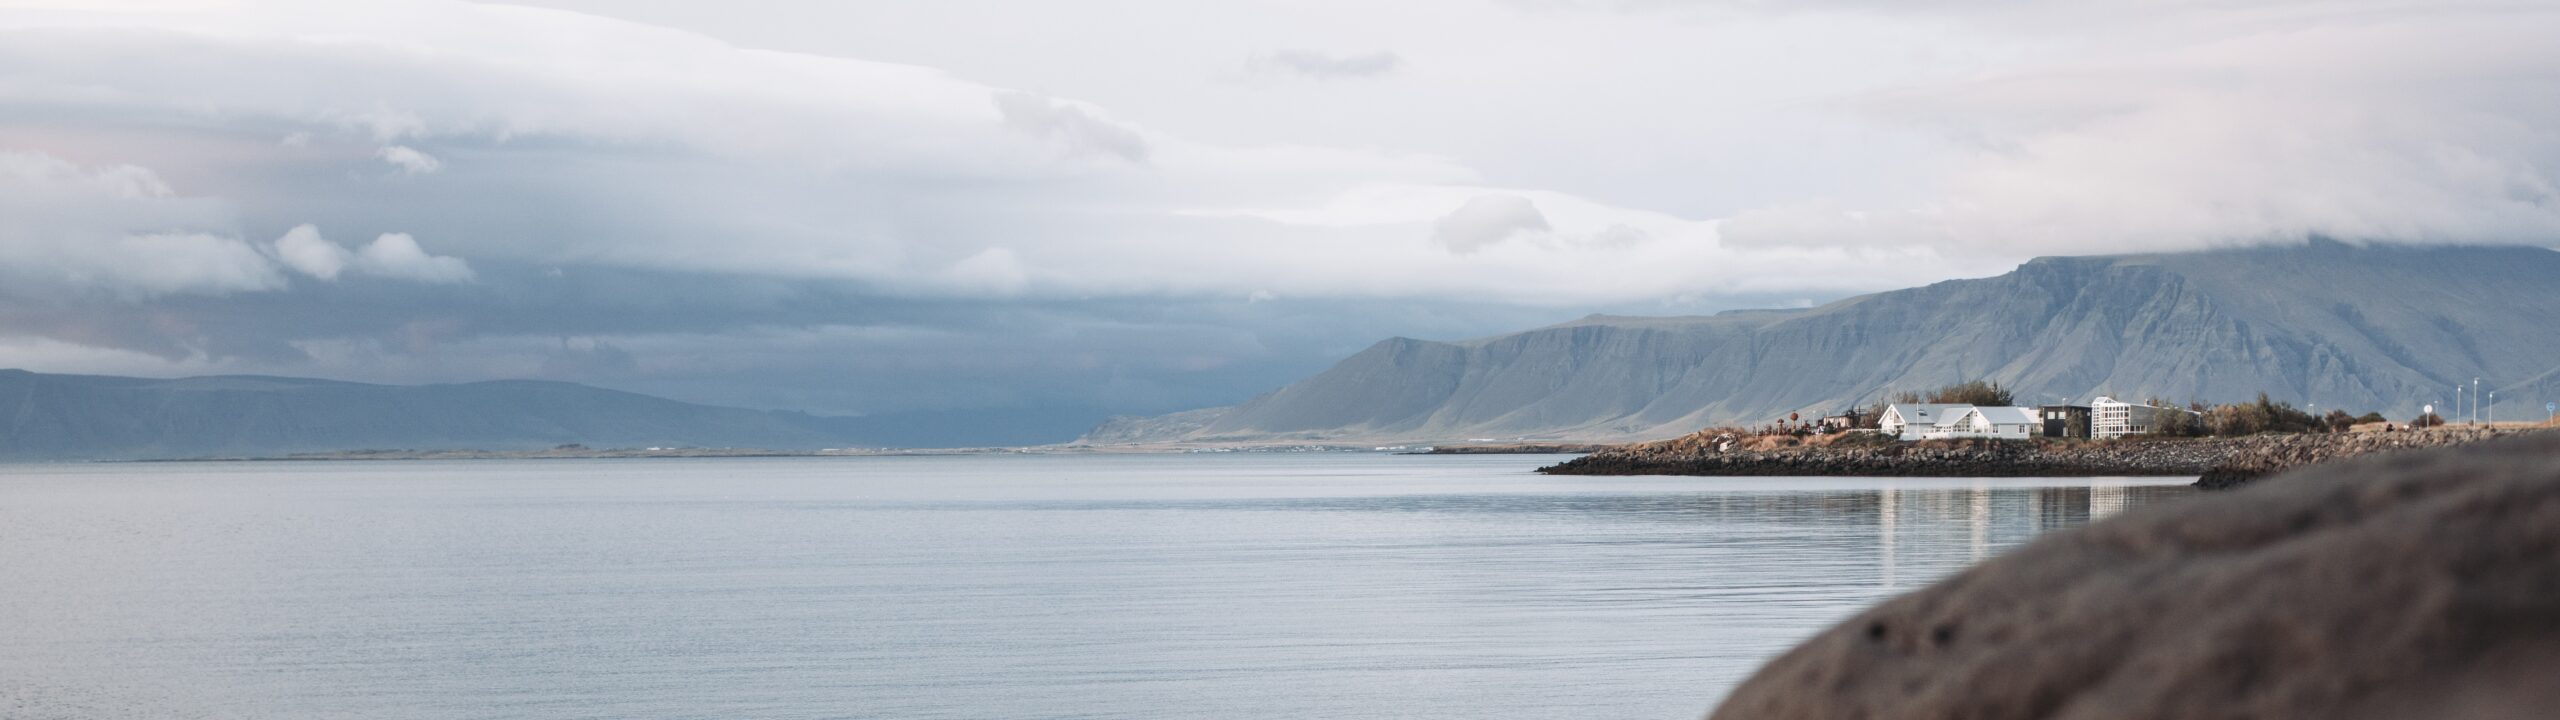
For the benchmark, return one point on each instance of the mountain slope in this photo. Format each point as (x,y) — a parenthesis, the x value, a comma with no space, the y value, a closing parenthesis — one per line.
(45,416)
(2358,327)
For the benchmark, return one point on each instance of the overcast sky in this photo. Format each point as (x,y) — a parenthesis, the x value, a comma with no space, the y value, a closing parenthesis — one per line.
(1148,205)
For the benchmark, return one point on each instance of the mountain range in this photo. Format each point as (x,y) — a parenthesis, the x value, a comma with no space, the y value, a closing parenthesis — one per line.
(2329,324)
(57,417)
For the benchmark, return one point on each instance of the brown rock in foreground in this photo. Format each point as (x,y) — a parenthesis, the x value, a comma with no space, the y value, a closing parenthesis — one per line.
(2420,584)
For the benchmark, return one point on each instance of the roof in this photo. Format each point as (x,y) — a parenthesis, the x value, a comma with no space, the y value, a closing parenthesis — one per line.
(1928,414)
(2008,415)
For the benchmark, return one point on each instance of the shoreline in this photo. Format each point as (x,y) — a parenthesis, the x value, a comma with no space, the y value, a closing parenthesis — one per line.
(2214,462)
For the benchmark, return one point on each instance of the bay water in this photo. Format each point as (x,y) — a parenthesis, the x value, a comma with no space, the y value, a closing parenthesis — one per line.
(1236,585)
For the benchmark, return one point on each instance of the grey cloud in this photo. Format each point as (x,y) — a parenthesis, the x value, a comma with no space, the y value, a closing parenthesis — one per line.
(1324,66)
(1076,127)
(1487,220)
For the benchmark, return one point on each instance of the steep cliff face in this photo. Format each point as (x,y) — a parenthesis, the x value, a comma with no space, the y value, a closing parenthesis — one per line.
(2361,328)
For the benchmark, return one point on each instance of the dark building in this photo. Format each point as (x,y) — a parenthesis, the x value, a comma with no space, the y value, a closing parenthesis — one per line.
(2065,421)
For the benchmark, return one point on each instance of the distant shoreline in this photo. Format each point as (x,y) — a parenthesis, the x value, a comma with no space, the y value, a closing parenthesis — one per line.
(557,454)
(583,453)
(1519,449)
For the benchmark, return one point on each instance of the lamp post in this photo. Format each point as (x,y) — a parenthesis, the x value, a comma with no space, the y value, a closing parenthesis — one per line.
(2475,401)
(2457,400)
(2493,408)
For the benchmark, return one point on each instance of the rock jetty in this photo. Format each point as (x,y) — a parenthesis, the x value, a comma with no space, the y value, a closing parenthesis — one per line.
(2271,454)
(2402,585)
(2218,462)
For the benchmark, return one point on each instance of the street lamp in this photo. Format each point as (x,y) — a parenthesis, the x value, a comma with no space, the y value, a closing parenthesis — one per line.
(2475,401)
(2493,408)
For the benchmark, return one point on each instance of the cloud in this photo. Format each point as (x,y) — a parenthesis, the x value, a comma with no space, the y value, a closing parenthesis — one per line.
(393,255)
(994,271)
(117,232)
(410,160)
(1323,66)
(727,215)
(1080,129)
(303,250)
(2296,129)
(1486,220)
(396,255)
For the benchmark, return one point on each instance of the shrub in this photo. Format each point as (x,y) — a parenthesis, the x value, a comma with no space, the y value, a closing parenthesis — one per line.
(1970,392)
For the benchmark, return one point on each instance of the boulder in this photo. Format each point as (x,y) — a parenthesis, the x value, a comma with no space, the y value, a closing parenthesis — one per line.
(2401,585)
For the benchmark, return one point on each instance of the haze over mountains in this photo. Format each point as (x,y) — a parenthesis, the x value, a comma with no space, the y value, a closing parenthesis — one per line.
(2386,328)
(54,417)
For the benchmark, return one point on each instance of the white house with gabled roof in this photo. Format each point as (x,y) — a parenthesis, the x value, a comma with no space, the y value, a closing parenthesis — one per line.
(1911,421)
(2015,423)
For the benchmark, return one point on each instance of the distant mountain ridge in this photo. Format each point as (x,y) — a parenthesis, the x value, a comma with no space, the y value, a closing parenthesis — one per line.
(2385,328)
(54,417)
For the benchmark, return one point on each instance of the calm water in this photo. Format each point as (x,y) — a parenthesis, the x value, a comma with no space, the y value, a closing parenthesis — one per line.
(1230,586)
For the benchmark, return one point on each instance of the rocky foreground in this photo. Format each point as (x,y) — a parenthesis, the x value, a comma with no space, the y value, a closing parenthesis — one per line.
(2405,585)
(2217,462)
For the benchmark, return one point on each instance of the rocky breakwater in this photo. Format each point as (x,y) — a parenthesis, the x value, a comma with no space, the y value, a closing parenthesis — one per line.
(2403,585)
(2219,462)
(1966,457)
(2266,455)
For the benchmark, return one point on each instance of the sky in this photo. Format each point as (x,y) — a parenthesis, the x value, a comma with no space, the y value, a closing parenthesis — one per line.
(1078,209)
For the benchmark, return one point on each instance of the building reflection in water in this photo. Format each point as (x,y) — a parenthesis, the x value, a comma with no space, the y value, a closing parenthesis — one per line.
(1920,522)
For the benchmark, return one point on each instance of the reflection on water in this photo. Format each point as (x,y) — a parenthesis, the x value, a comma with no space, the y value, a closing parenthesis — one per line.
(1166,587)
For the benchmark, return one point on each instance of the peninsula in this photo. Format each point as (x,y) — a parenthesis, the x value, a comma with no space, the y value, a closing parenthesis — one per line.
(2216,461)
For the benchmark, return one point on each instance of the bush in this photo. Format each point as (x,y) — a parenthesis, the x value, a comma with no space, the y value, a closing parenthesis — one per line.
(1970,392)
(2372,417)
(2262,416)
(2426,421)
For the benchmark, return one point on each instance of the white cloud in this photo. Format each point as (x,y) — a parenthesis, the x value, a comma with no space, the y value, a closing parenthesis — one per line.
(396,255)
(2284,129)
(410,160)
(393,255)
(117,231)
(1080,129)
(995,271)
(166,263)
(1325,66)
(1486,220)
(303,250)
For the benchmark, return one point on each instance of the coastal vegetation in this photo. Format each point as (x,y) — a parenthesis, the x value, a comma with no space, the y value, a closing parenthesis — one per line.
(1970,392)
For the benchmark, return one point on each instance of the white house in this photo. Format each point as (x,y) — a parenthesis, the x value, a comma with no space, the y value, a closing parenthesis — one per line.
(2016,423)
(1911,421)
